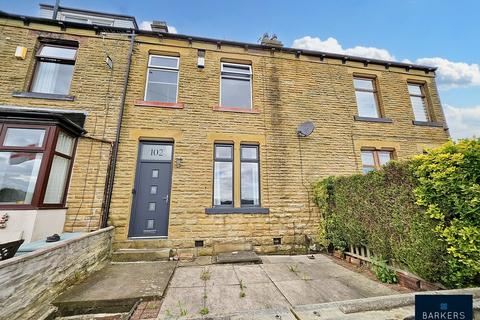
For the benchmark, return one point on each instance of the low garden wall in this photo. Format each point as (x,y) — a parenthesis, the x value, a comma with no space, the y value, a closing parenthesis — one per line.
(30,282)
(422,215)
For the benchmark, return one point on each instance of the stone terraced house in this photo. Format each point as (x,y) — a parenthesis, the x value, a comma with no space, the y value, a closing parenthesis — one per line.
(187,142)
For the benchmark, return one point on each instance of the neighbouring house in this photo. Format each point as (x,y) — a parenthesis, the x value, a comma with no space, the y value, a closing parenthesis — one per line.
(181,141)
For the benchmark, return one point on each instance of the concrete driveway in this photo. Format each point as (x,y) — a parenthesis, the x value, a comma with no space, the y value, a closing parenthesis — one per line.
(278,284)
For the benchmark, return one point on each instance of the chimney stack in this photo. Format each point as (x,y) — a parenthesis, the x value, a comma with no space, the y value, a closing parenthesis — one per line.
(159,26)
(272,41)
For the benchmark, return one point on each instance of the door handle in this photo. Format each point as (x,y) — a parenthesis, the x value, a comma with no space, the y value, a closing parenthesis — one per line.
(166,198)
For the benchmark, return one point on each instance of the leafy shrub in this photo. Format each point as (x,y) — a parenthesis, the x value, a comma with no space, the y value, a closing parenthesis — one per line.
(424,214)
(383,272)
(449,189)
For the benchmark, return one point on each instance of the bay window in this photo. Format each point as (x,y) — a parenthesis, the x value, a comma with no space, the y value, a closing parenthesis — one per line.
(35,164)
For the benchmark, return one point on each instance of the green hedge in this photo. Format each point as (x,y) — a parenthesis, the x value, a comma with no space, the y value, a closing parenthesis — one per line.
(423,214)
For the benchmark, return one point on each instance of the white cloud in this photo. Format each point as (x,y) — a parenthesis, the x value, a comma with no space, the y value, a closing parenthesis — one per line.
(449,74)
(172,29)
(146,25)
(463,122)
(453,74)
(332,45)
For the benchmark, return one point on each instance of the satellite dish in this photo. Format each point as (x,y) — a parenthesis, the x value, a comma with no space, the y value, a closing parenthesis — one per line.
(305,129)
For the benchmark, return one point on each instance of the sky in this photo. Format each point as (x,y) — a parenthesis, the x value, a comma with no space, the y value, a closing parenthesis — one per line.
(441,33)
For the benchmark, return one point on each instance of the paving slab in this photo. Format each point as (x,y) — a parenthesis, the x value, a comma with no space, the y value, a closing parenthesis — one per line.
(281,282)
(221,275)
(186,277)
(251,274)
(281,271)
(182,303)
(117,287)
(258,296)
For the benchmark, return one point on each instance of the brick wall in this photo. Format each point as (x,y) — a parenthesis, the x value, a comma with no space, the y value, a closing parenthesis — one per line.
(29,283)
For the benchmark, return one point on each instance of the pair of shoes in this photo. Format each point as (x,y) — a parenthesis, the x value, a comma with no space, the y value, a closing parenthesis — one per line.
(53,238)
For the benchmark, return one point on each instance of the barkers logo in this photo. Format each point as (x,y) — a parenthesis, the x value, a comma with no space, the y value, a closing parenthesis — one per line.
(443,307)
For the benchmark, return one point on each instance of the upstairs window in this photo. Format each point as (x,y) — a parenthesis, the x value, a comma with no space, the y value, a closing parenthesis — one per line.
(236,86)
(54,69)
(162,79)
(367,98)
(374,159)
(417,98)
(223,175)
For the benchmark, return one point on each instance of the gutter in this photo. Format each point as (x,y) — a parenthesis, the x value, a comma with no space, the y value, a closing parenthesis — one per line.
(297,52)
(107,195)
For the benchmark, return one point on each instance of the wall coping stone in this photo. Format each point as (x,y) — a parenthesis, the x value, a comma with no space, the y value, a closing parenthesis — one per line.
(65,243)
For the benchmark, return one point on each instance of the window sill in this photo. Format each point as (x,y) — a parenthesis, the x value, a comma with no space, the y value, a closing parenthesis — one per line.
(245,210)
(38,95)
(158,104)
(370,119)
(31,207)
(235,109)
(428,123)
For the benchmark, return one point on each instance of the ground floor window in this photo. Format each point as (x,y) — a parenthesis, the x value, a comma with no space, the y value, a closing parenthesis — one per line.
(249,174)
(35,164)
(247,162)
(374,159)
(223,175)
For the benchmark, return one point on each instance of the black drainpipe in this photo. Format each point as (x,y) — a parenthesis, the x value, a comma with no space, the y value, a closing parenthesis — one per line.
(107,197)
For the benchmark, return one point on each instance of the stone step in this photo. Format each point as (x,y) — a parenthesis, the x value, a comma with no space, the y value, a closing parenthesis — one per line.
(133,255)
(238,257)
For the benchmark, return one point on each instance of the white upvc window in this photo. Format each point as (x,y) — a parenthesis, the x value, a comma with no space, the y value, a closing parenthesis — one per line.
(162,79)
(236,86)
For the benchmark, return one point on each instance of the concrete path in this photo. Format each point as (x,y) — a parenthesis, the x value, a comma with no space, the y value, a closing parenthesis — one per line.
(117,287)
(280,283)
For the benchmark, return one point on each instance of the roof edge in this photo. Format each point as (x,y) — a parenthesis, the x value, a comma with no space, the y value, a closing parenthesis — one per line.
(320,54)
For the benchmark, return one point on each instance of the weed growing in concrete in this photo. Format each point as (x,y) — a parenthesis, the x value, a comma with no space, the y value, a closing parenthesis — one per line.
(168,313)
(204,311)
(305,277)
(183,312)
(242,287)
(293,268)
(205,275)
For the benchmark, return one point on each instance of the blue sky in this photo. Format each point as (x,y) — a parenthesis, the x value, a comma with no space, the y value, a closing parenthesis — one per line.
(443,33)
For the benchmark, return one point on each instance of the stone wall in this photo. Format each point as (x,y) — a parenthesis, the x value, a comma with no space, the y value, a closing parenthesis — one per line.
(287,90)
(29,283)
(97,92)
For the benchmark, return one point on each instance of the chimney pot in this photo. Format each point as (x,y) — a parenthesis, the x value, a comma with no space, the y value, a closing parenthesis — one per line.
(159,26)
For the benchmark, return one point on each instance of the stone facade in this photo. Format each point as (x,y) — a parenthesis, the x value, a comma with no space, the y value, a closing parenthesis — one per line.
(96,90)
(29,283)
(288,89)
